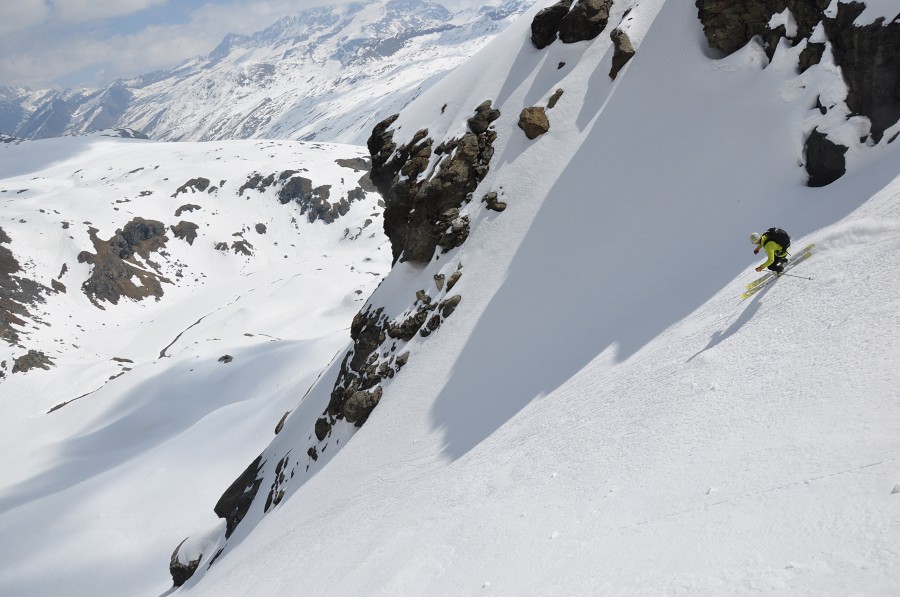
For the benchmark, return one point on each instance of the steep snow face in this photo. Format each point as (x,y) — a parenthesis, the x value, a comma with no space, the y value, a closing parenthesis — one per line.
(326,74)
(602,414)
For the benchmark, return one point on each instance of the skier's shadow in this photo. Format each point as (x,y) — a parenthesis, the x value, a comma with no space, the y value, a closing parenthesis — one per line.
(746,315)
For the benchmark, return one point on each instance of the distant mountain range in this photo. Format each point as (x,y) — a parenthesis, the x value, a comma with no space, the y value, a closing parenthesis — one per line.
(327,74)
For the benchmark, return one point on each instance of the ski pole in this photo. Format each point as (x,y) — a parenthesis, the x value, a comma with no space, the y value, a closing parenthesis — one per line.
(793,276)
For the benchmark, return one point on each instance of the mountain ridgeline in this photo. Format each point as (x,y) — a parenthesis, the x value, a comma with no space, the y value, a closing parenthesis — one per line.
(307,77)
(434,192)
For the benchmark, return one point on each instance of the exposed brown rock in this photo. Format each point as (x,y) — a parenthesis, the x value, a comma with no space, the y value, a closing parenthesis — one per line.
(534,122)
(33,359)
(186,231)
(624,51)
(419,211)
(490,199)
(586,20)
(115,266)
(551,103)
(195,185)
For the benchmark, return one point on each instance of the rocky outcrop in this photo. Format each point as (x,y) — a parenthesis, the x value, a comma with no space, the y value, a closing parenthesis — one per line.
(235,502)
(545,25)
(182,571)
(115,264)
(422,213)
(554,99)
(186,207)
(583,21)
(314,201)
(825,161)
(17,293)
(586,20)
(186,231)
(534,122)
(729,26)
(33,359)
(623,52)
(869,55)
(194,185)
(377,355)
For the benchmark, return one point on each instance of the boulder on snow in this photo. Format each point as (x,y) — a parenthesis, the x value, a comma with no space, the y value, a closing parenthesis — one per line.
(534,121)
(180,570)
(586,20)
(545,25)
(551,103)
(484,116)
(624,51)
(490,199)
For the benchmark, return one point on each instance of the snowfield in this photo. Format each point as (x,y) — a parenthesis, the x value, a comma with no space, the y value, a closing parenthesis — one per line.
(601,415)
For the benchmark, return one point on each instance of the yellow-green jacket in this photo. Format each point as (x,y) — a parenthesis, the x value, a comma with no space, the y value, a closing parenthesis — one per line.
(772,250)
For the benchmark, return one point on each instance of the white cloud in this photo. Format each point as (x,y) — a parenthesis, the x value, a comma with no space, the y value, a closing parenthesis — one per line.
(19,15)
(66,50)
(81,11)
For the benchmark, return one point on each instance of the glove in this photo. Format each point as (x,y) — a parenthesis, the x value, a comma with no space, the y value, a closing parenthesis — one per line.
(759,269)
(756,250)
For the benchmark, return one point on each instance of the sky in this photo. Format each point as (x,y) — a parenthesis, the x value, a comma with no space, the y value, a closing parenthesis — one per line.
(75,43)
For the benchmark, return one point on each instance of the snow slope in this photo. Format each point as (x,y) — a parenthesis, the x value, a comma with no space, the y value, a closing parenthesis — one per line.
(154,425)
(601,415)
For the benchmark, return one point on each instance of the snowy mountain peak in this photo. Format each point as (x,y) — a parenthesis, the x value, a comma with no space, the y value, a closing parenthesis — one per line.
(309,76)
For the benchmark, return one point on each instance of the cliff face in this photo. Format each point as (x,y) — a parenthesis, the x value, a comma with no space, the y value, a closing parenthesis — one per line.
(419,210)
(868,56)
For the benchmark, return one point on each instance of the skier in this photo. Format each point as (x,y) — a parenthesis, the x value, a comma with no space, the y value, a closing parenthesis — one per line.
(775,243)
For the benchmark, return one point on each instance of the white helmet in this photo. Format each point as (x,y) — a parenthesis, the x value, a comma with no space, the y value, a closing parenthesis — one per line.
(754,238)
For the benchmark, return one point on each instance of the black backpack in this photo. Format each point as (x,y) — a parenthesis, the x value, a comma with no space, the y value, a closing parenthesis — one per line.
(779,236)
